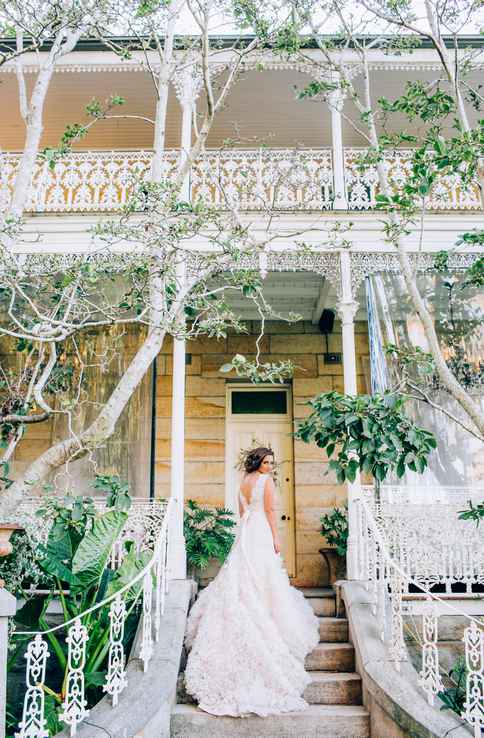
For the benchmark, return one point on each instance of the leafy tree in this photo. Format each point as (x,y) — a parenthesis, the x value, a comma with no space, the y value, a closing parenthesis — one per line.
(370,433)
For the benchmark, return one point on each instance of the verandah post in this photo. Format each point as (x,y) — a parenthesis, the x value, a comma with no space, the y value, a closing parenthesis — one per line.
(347,308)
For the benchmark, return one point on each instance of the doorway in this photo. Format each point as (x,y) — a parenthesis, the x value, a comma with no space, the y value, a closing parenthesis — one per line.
(262,416)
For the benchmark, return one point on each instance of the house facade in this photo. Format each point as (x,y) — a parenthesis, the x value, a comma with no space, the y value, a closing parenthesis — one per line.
(184,430)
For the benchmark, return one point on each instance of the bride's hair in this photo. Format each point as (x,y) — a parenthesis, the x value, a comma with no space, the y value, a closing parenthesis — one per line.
(254,458)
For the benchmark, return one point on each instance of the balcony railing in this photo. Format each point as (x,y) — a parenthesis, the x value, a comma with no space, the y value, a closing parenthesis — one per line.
(257,179)
(362,187)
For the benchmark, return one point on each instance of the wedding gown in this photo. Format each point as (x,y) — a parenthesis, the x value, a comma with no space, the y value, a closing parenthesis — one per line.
(250,630)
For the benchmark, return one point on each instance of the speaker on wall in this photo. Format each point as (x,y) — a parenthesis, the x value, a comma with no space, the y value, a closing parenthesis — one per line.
(326,326)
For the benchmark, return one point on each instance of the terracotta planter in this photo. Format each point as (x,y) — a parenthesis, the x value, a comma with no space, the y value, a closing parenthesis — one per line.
(6,530)
(335,565)
(6,548)
(205,576)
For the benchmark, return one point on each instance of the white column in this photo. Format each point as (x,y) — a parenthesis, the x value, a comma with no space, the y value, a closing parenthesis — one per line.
(347,308)
(177,566)
(335,102)
(186,137)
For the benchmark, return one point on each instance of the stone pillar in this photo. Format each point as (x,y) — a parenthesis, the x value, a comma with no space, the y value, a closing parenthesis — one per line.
(347,308)
(8,607)
(335,103)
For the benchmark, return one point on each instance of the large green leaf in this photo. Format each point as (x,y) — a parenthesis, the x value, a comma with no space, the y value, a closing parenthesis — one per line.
(28,615)
(131,566)
(93,551)
(56,555)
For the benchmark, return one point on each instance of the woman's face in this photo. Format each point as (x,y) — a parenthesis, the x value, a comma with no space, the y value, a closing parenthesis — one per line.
(267,464)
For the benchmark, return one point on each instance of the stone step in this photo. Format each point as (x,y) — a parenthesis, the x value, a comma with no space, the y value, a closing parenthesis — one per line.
(317,591)
(321,599)
(331,657)
(323,606)
(316,721)
(333,688)
(333,630)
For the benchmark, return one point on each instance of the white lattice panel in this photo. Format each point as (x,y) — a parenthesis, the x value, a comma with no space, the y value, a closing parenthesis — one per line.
(362,184)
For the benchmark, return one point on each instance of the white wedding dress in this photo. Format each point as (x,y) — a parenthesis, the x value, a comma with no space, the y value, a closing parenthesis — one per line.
(250,630)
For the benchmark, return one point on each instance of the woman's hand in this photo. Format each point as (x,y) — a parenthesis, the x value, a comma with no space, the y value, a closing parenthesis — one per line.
(277,544)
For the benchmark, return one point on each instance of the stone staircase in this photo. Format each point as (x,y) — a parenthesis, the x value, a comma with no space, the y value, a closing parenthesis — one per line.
(334,694)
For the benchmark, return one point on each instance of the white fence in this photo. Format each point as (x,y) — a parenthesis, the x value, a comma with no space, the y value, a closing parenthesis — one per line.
(148,527)
(406,547)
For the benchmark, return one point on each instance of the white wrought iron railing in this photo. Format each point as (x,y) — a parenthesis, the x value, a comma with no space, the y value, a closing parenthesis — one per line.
(251,179)
(362,183)
(148,526)
(391,571)
(257,179)
(143,526)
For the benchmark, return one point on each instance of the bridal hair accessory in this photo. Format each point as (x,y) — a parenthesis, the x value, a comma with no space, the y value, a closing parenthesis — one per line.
(255,457)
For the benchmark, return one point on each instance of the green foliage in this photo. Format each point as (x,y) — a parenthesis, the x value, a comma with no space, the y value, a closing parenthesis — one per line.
(21,570)
(473,512)
(334,528)
(274,372)
(131,565)
(75,132)
(287,40)
(454,697)
(418,102)
(247,15)
(92,553)
(435,158)
(316,87)
(366,432)
(207,533)
(411,360)
(117,491)
(475,274)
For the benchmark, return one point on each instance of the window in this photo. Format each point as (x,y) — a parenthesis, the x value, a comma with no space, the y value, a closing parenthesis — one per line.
(259,403)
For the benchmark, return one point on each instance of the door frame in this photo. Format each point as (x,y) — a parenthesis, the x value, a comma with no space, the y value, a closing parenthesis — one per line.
(287,417)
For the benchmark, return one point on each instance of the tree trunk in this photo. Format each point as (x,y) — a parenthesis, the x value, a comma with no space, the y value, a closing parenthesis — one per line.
(34,121)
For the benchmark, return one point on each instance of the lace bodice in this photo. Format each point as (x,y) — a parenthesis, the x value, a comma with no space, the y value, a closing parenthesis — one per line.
(256,495)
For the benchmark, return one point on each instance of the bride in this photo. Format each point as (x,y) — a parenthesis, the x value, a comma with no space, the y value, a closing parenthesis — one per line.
(250,630)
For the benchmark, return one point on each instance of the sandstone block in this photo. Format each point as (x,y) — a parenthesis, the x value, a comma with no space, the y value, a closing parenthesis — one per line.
(311,472)
(206,345)
(195,450)
(297,344)
(312,387)
(247,344)
(319,495)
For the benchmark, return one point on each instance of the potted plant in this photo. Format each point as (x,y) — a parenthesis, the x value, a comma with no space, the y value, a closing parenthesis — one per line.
(208,537)
(334,528)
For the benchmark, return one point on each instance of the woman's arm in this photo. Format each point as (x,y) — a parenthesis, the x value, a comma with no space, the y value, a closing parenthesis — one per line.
(269,489)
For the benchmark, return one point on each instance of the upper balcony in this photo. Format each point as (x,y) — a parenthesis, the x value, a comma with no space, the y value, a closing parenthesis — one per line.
(267,149)
(261,179)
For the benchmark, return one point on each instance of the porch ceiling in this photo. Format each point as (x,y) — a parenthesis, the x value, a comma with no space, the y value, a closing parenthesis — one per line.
(304,293)
(262,106)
